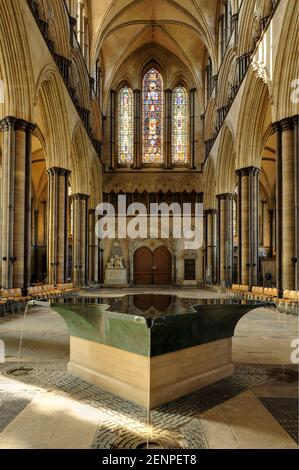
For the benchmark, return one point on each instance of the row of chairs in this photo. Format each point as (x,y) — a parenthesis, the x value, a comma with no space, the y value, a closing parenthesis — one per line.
(238,289)
(12,300)
(289,299)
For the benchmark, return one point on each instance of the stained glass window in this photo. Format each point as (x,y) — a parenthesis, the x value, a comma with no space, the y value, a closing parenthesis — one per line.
(152,117)
(125,126)
(180,125)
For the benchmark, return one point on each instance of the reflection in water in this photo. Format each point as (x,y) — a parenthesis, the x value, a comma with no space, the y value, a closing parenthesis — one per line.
(155,305)
(159,303)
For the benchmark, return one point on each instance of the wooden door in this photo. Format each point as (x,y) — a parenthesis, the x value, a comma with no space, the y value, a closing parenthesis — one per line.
(161,266)
(143,262)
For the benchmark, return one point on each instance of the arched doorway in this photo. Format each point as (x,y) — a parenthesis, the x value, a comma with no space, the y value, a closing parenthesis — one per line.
(152,267)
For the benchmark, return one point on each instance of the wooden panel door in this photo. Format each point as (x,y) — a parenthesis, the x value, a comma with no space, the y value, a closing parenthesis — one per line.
(161,266)
(143,262)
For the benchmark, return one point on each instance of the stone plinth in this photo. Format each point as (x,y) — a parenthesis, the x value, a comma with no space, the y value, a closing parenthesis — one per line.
(115,277)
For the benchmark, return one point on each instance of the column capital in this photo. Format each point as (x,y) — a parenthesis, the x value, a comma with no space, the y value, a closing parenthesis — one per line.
(136,91)
(73,21)
(168,91)
(18,124)
(295,119)
(210,211)
(248,170)
(60,171)
(276,126)
(193,90)
(80,197)
(287,124)
(92,211)
(225,196)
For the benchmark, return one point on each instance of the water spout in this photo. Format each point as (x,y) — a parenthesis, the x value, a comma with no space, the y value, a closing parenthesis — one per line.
(29,304)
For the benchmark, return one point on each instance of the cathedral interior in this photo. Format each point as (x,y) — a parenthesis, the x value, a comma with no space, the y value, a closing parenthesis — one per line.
(138,104)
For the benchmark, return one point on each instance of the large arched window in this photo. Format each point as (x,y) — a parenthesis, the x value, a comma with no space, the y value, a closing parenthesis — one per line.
(125,126)
(180,125)
(152,117)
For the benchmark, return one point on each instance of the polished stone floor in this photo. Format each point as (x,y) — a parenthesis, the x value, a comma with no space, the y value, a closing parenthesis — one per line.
(256,408)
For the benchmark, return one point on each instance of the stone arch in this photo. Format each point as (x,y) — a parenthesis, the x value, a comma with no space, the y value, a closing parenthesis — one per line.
(210,186)
(246,41)
(210,120)
(286,69)
(96,190)
(55,14)
(51,116)
(80,164)
(15,65)
(227,78)
(226,164)
(80,80)
(254,119)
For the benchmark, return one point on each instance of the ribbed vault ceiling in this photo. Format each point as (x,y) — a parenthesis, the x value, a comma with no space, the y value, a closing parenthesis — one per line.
(185,28)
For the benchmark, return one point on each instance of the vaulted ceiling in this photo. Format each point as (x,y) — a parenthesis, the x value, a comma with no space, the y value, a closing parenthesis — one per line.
(185,29)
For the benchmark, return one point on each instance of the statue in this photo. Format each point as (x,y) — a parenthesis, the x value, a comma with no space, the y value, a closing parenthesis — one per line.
(116,273)
(116,263)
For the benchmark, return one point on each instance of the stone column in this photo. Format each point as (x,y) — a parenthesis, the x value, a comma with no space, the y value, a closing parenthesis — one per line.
(16,201)
(192,128)
(296,147)
(137,130)
(225,238)
(58,212)
(210,238)
(278,215)
(271,224)
(289,260)
(235,21)
(248,224)
(112,149)
(287,230)
(81,24)
(93,250)
(80,239)
(168,128)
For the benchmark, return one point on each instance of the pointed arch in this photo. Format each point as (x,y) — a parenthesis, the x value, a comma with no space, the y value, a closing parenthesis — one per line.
(80,163)
(210,186)
(286,68)
(246,26)
(50,110)
(210,120)
(96,186)
(227,77)
(226,164)
(254,119)
(15,64)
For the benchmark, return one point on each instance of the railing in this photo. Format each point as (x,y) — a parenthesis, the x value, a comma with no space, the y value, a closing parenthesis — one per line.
(243,65)
(64,66)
